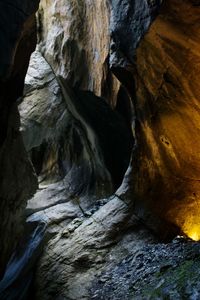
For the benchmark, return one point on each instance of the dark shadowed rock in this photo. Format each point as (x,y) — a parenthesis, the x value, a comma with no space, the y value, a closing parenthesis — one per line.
(130,20)
(17,180)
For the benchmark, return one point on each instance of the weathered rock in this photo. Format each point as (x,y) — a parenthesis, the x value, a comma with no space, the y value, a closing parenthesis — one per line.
(56,214)
(73,259)
(56,207)
(20,268)
(42,109)
(56,136)
(77,142)
(73,136)
(48,196)
(165,176)
(129,21)
(17,180)
(74,38)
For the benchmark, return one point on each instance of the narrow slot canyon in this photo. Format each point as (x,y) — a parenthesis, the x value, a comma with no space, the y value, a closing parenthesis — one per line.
(99,149)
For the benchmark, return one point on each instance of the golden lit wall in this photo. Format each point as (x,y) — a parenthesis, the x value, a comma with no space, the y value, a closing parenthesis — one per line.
(166,169)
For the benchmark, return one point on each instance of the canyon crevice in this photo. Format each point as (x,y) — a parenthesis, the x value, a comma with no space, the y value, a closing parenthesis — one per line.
(99,149)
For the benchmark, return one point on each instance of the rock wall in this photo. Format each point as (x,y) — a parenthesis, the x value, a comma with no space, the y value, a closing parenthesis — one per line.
(72,135)
(161,80)
(74,38)
(17,180)
(166,163)
(84,44)
(143,58)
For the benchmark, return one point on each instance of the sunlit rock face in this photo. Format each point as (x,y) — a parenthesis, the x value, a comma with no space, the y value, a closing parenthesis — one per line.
(74,38)
(17,180)
(166,161)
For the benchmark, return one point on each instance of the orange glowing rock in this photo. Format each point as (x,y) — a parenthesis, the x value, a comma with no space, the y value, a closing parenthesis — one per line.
(194,233)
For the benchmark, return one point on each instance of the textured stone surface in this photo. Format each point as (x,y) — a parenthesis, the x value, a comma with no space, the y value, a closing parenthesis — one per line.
(74,38)
(159,271)
(73,136)
(77,142)
(20,268)
(75,256)
(129,21)
(17,181)
(166,163)
(161,184)
(83,40)
(42,109)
